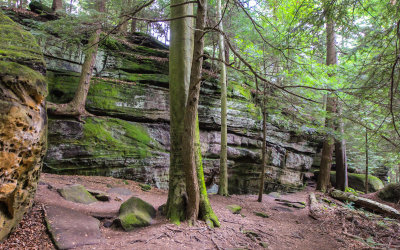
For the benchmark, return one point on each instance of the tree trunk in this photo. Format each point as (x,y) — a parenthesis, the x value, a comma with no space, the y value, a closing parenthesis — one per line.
(327,148)
(77,106)
(223,168)
(189,148)
(180,62)
(264,149)
(133,25)
(341,158)
(366,161)
(206,212)
(57,5)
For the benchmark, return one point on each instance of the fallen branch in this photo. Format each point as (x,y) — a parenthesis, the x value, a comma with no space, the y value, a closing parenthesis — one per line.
(366,203)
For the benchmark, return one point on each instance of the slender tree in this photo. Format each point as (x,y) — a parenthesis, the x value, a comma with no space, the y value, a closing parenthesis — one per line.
(264,145)
(328,145)
(366,161)
(57,5)
(77,106)
(340,154)
(223,168)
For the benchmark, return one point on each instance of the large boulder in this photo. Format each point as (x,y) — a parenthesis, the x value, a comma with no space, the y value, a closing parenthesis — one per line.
(390,193)
(357,182)
(135,213)
(76,193)
(23,121)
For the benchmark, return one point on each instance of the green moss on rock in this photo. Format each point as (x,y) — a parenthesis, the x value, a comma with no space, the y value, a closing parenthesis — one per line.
(18,45)
(135,213)
(357,182)
(77,193)
(235,209)
(390,193)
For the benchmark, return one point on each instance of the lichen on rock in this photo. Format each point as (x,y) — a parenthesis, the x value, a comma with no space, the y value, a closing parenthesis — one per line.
(23,121)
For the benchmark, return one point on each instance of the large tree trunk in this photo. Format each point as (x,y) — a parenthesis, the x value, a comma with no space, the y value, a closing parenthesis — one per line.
(341,157)
(327,149)
(189,148)
(206,213)
(77,106)
(180,61)
(57,5)
(223,168)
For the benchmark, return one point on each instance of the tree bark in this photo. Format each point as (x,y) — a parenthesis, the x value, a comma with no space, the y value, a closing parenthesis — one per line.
(341,158)
(223,168)
(189,152)
(77,106)
(180,62)
(264,149)
(366,161)
(57,5)
(327,148)
(206,212)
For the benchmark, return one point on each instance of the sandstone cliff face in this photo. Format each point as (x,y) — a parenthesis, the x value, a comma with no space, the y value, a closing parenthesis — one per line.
(22,121)
(130,136)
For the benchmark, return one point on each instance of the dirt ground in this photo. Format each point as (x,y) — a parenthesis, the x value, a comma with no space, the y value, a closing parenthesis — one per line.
(340,226)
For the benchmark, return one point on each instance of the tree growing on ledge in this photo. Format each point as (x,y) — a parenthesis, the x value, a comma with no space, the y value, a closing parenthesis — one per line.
(76,107)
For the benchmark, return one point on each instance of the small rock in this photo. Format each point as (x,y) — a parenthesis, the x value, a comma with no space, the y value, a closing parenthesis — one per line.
(261,214)
(76,193)
(99,195)
(108,223)
(235,209)
(282,209)
(145,187)
(264,244)
(118,198)
(135,213)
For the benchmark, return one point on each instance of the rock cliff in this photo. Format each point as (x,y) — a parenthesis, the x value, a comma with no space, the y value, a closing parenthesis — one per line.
(129,137)
(22,121)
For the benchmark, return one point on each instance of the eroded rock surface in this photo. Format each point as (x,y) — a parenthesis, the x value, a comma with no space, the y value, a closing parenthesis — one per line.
(22,121)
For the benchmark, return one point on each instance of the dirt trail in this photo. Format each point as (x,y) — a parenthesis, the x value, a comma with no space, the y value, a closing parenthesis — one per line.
(286,228)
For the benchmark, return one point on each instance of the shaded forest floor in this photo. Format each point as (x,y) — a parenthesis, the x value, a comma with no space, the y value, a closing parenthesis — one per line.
(339,226)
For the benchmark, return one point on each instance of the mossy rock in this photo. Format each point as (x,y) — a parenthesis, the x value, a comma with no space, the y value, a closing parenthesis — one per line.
(261,214)
(77,193)
(145,187)
(390,193)
(357,181)
(235,209)
(135,213)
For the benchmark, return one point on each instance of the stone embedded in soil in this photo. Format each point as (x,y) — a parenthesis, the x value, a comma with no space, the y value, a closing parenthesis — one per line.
(76,193)
(135,213)
(145,187)
(70,229)
(99,195)
(235,209)
(261,214)
(120,191)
